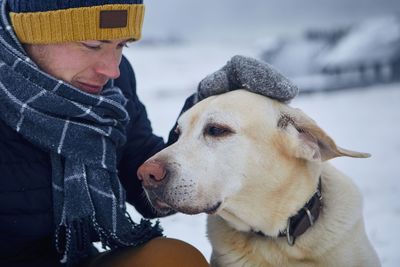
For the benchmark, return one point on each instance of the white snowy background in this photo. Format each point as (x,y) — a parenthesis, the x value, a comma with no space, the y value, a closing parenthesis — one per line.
(361,119)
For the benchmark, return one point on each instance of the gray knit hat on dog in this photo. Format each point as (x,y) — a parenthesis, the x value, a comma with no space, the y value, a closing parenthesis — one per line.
(248,73)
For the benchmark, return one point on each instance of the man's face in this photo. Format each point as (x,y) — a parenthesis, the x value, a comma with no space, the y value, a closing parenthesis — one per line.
(86,65)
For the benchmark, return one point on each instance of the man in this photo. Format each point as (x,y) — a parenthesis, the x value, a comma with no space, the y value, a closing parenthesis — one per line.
(72,131)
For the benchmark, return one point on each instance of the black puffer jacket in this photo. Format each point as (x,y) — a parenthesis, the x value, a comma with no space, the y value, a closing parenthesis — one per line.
(26,214)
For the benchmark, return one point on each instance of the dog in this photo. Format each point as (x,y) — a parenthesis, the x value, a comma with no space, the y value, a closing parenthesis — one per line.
(259,168)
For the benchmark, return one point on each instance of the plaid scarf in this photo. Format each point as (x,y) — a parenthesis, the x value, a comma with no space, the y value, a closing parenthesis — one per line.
(82,132)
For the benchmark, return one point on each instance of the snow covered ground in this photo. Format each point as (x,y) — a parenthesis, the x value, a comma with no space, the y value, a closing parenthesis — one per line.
(366,120)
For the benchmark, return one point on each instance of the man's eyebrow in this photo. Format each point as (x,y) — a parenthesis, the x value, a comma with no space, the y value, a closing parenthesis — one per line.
(124,41)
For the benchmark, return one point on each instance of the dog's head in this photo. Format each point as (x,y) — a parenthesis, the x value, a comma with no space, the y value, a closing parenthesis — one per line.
(235,146)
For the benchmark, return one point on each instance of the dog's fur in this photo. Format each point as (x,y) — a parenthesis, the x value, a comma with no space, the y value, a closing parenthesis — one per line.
(251,163)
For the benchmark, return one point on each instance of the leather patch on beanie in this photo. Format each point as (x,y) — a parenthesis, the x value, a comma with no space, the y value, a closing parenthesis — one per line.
(113,19)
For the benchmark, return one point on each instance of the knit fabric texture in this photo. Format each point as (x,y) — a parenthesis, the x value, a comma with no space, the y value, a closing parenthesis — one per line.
(81,132)
(19,6)
(57,21)
(242,72)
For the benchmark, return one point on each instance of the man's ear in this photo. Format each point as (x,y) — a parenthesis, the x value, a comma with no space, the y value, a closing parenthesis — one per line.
(312,142)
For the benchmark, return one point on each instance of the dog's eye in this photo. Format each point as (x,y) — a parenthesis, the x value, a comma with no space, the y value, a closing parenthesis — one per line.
(215,130)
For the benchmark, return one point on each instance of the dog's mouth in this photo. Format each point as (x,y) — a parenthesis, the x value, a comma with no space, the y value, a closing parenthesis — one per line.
(213,209)
(164,207)
(192,210)
(160,206)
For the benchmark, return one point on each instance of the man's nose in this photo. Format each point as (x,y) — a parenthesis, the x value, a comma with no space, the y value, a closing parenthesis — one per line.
(152,174)
(109,65)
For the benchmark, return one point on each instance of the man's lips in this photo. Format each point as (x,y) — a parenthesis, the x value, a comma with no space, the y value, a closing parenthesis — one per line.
(90,88)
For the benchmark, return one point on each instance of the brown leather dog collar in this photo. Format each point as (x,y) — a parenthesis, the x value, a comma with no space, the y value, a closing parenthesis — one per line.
(304,219)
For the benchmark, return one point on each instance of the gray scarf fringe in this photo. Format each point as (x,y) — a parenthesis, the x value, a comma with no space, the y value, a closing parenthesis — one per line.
(82,132)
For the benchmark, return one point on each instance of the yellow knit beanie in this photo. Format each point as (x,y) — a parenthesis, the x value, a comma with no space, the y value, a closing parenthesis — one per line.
(58,21)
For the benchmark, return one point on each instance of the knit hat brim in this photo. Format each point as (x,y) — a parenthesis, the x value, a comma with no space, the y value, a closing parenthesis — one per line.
(104,22)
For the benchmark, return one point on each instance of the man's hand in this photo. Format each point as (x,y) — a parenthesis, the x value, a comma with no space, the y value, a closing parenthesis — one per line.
(248,73)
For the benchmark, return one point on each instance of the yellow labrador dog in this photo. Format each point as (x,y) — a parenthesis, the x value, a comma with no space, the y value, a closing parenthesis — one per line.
(259,168)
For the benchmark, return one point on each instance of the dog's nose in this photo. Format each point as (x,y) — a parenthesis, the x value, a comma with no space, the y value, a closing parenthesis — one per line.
(151,173)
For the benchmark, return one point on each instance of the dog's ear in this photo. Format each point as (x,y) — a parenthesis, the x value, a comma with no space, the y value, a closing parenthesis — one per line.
(312,142)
